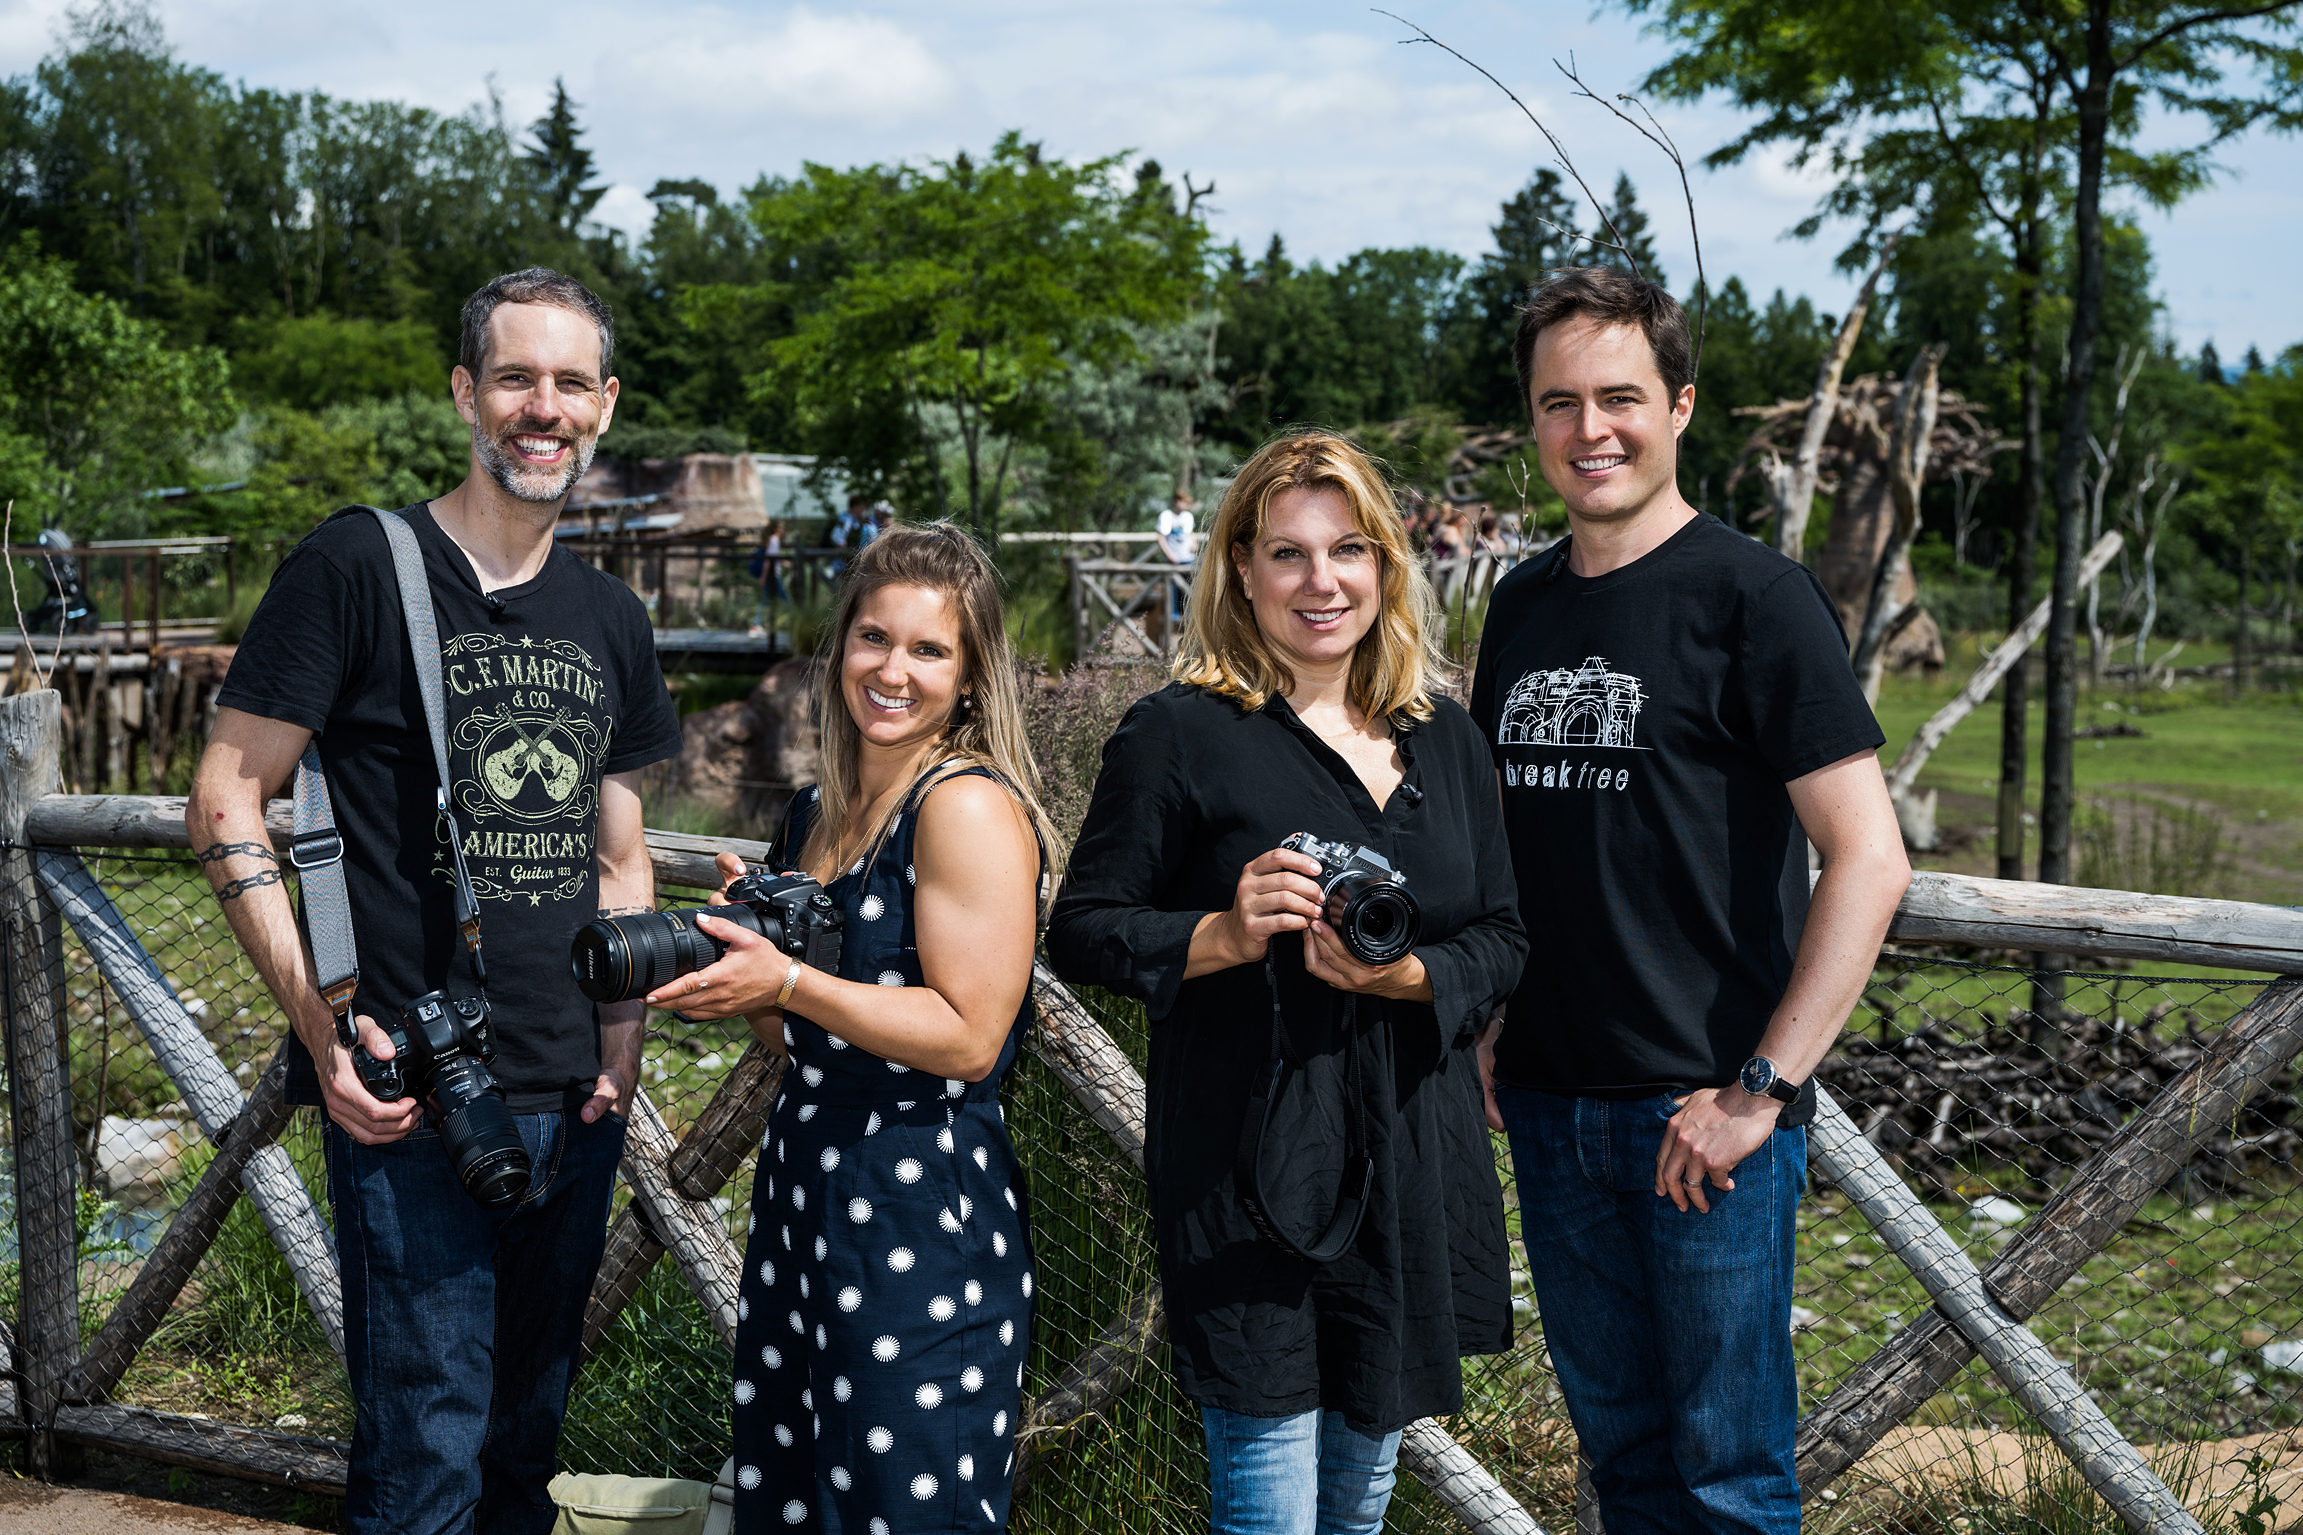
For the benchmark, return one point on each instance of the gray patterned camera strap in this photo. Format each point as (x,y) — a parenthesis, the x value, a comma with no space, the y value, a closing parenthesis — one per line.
(316,850)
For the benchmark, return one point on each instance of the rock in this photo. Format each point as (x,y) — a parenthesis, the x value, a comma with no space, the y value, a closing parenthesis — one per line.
(745,759)
(136,1159)
(1997,1211)
(2287,1354)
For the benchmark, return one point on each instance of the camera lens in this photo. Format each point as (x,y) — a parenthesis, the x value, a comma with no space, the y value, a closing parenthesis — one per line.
(481,1140)
(615,959)
(1379,920)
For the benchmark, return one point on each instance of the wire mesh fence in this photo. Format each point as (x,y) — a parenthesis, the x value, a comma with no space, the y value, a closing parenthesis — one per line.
(1986,1086)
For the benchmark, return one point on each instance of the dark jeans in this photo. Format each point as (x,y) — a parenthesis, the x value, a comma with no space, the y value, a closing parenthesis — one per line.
(461,1324)
(1671,1331)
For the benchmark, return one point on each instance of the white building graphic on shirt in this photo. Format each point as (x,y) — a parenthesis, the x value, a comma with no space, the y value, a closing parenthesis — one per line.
(1586,705)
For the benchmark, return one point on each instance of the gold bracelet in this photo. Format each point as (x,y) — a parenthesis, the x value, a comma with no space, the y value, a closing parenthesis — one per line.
(791,984)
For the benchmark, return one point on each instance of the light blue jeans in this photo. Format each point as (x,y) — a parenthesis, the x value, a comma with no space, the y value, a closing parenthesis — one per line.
(1311,1474)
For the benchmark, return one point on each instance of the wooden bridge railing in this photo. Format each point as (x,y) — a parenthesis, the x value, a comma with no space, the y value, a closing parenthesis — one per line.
(675,1180)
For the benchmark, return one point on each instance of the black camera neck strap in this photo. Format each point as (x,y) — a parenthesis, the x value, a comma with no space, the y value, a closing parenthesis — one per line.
(1264,1095)
(316,850)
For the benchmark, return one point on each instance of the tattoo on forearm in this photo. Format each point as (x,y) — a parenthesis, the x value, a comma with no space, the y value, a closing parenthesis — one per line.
(232,890)
(626,911)
(217,852)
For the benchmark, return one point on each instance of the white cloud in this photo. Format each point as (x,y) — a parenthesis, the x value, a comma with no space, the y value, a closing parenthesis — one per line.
(813,67)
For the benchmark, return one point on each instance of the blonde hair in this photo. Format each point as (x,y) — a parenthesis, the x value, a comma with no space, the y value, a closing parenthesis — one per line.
(989,732)
(1397,666)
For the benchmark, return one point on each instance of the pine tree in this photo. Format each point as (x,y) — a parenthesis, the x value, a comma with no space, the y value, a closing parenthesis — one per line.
(2210,365)
(1534,234)
(1631,229)
(2254,362)
(561,163)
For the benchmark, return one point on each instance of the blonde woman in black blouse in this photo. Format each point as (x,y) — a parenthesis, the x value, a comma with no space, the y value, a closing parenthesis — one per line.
(1307,700)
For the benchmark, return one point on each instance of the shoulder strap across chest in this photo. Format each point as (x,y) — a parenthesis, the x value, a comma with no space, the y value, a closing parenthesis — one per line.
(317,848)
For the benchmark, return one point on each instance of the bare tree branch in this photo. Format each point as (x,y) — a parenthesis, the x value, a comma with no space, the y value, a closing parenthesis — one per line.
(1557,148)
(1653,132)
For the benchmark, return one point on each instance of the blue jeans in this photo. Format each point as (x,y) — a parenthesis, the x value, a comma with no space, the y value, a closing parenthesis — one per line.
(1311,1474)
(1671,1332)
(461,1324)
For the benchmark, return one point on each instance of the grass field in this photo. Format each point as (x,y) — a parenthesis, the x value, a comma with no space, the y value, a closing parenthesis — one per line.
(2237,760)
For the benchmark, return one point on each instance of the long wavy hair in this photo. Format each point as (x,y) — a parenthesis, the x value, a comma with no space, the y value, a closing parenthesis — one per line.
(1397,667)
(943,558)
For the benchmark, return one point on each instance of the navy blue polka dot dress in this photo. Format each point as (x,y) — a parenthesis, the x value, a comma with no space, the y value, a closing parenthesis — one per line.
(886,1307)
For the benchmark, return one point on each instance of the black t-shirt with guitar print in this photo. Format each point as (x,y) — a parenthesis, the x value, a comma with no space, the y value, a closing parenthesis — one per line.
(550,686)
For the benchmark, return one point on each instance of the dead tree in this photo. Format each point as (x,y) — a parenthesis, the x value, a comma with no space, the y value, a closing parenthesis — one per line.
(1907,453)
(1791,486)
(1853,466)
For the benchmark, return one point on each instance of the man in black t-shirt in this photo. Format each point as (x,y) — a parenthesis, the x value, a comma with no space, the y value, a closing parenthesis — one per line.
(1670,707)
(461,1322)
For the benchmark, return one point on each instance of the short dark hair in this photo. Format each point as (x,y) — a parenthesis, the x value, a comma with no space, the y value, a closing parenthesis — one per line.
(1611,298)
(533,285)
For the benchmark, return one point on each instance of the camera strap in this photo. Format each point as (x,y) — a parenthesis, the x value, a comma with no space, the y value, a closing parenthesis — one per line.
(1255,1125)
(316,851)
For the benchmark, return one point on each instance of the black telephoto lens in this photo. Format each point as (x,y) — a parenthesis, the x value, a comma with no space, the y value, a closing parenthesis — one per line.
(615,959)
(481,1140)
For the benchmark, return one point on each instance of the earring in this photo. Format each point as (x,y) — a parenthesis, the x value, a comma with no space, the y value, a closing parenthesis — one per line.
(967,701)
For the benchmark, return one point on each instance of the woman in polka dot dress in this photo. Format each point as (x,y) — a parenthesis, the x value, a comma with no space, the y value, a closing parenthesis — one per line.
(886,1306)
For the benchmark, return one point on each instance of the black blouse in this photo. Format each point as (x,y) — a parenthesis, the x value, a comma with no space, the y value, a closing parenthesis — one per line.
(1193,787)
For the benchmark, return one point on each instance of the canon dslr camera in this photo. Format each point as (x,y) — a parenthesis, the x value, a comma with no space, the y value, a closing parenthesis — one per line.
(1364,899)
(441,1049)
(618,958)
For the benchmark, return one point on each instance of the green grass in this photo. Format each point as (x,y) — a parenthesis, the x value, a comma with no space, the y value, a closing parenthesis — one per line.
(2203,751)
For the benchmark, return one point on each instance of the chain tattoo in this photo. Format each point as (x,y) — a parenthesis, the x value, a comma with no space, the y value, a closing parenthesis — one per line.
(217,852)
(232,890)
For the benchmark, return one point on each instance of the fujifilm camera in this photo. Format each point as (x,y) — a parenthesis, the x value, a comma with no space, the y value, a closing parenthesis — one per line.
(1364,898)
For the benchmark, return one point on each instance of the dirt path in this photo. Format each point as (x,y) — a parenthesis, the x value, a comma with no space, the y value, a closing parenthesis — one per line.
(2209,1475)
(29,1508)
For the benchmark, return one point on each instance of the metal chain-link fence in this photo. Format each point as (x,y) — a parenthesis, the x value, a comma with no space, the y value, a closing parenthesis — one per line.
(1986,1086)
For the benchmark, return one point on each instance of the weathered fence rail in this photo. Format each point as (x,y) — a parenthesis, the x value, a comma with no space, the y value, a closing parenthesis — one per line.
(676,1179)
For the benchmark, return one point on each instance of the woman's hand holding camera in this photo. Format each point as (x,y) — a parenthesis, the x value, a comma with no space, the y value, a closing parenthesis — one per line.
(1327,959)
(745,980)
(1276,894)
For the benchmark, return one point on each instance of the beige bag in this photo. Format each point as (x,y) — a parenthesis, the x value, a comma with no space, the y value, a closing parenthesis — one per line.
(629,1505)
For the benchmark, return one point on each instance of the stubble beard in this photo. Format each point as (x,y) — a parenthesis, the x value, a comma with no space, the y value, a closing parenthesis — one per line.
(538,486)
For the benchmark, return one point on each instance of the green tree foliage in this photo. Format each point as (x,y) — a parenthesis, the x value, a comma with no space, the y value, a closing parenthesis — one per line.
(959,287)
(94,405)
(319,360)
(1535,234)
(1362,342)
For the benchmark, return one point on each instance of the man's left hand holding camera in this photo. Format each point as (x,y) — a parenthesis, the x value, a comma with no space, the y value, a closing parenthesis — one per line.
(249,760)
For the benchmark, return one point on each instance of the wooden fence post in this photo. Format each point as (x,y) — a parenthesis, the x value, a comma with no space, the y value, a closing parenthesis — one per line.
(1899,1377)
(2112,1466)
(40,1095)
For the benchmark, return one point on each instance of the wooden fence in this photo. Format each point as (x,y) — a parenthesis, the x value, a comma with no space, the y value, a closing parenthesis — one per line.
(64,1386)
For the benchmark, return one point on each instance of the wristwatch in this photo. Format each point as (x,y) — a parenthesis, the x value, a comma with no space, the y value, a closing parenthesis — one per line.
(1759,1079)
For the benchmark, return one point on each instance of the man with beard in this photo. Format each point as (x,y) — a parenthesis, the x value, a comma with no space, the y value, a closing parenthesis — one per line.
(461,1320)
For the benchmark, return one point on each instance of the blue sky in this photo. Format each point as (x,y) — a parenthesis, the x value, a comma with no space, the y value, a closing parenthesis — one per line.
(1309,118)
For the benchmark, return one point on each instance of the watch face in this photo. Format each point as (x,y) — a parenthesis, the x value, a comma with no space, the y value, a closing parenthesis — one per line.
(1758,1075)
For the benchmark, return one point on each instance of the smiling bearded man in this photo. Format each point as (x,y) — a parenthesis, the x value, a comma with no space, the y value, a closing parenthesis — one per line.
(463,1298)
(1670,706)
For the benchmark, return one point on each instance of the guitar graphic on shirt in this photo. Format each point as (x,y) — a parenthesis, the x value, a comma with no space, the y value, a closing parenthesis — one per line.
(507,771)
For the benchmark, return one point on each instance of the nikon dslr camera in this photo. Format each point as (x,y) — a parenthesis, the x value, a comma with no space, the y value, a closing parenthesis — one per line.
(441,1049)
(618,958)
(1363,898)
